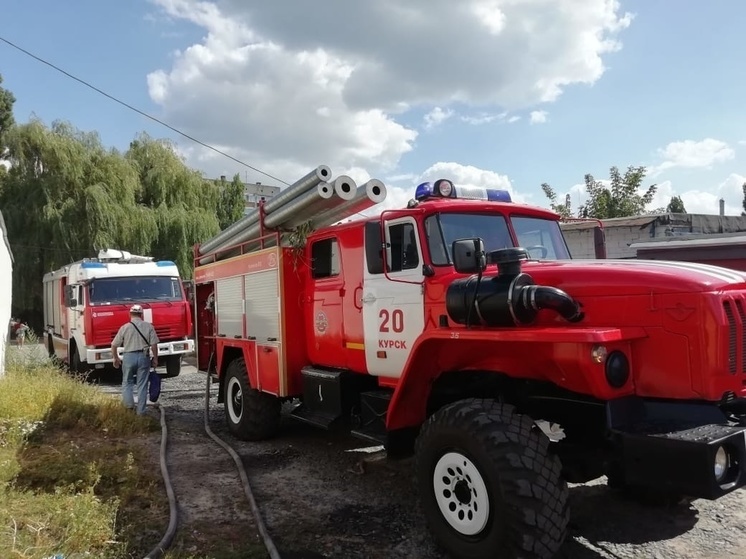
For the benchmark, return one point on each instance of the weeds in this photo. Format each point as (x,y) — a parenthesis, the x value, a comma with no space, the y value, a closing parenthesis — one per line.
(72,480)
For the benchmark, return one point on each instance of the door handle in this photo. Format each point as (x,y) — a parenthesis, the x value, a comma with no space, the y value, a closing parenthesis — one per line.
(368,298)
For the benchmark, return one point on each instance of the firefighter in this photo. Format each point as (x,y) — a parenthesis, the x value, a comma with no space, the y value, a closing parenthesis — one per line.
(140,343)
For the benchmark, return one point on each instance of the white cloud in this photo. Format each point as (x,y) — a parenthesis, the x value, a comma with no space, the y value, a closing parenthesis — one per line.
(291,85)
(437,116)
(483,118)
(692,154)
(538,117)
(513,119)
(708,201)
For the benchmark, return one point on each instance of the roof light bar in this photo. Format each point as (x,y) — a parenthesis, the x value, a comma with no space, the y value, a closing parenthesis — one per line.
(444,188)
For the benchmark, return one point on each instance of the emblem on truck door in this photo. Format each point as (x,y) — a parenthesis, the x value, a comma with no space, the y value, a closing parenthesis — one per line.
(321,322)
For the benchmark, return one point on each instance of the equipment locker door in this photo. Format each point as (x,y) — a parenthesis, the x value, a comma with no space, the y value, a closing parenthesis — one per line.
(393,302)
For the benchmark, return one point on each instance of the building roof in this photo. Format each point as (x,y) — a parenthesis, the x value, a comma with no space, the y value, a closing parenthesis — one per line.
(678,223)
(641,220)
(716,239)
(4,232)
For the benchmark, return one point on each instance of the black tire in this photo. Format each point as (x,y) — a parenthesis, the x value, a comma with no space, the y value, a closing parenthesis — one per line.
(251,415)
(173,366)
(501,460)
(76,366)
(50,347)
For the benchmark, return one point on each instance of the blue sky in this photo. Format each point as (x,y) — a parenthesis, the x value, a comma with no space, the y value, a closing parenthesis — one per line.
(670,98)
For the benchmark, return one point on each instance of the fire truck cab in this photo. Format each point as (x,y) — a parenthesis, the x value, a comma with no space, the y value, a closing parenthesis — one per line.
(453,328)
(86,302)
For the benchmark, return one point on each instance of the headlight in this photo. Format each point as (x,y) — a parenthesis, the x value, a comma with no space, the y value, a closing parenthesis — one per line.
(722,463)
(598,353)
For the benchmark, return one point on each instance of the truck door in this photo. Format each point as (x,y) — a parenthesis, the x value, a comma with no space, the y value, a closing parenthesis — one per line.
(393,302)
(326,321)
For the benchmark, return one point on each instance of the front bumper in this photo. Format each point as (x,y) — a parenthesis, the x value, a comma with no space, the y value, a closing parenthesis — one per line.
(176,347)
(672,447)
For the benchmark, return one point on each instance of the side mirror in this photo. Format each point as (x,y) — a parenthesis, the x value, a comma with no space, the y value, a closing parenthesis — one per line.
(70,296)
(469,256)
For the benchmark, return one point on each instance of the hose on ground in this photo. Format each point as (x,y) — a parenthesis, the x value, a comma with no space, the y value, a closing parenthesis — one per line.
(268,543)
(168,537)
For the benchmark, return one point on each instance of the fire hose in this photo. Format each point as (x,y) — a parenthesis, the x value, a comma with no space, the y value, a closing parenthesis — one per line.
(168,537)
(266,538)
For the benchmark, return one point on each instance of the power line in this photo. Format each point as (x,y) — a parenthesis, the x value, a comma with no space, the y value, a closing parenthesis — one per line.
(146,115)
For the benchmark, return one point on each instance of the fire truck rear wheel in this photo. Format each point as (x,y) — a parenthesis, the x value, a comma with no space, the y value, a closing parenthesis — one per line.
(251,415)
(488,484)
(173,366)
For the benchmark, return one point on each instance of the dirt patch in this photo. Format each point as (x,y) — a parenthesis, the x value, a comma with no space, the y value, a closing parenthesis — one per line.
(321,497)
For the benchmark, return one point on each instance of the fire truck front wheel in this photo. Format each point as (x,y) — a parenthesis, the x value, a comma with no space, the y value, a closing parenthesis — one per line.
(488,484)
(251,415)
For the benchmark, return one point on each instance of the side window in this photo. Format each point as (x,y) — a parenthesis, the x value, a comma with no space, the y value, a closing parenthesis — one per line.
(325,259)
(404,254)
(374,247)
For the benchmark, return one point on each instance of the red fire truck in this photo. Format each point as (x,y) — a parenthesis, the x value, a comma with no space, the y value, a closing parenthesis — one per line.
(451,328)
(87,301)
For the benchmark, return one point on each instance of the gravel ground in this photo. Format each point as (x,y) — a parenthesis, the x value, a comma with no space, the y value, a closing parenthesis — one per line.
(322,496)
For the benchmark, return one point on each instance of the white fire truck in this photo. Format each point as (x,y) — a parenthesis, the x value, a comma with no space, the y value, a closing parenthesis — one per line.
(86,302)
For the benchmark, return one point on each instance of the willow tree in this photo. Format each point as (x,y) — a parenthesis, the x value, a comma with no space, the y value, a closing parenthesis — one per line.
(184,205)
(6,114)
(231,200)
(66,196)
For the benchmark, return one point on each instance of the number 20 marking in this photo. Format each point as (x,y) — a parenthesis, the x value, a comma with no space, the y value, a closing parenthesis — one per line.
(396,318)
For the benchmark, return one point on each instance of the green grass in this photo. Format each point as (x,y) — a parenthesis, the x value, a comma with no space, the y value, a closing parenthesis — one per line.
(75,476)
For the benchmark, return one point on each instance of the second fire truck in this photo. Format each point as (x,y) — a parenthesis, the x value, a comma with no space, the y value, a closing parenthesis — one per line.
(87,301)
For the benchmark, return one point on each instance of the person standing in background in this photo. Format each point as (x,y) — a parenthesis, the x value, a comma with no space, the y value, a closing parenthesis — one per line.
(140,351)
(21,330)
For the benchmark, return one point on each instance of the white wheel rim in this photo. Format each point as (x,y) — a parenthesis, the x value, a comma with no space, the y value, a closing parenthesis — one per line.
(461,494)
(234,400)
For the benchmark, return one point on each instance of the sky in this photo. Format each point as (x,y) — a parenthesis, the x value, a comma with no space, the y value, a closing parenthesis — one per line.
(496,93)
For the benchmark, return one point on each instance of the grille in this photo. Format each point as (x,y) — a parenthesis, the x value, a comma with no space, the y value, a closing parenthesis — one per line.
(166,332)
(736,317)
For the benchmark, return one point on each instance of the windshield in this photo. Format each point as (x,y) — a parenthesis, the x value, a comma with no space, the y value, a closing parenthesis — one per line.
(105,291)
(541,237)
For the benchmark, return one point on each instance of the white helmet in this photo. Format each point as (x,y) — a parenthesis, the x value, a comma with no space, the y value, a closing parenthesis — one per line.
(136,309)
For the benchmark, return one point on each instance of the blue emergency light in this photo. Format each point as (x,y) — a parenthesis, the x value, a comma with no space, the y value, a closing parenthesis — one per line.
(443,188)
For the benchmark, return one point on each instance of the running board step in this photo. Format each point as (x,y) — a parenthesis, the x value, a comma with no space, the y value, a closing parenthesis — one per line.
(315,418)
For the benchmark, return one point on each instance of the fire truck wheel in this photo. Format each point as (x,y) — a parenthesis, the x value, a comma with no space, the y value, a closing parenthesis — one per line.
(251,415)
(173,366)
(76,366)
(489,486)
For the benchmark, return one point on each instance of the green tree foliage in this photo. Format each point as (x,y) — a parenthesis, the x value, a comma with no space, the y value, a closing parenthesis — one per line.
(563,209)
(676,205)
(620,196)
(231,202)
(6,114)
(66,196)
